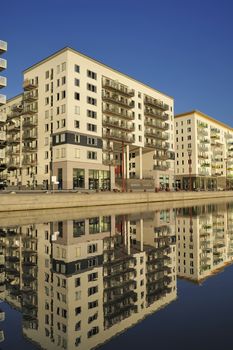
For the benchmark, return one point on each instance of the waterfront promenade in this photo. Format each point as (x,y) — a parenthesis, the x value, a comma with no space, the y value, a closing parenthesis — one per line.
(37,201)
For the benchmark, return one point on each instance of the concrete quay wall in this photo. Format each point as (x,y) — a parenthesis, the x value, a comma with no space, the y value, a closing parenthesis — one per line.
(34,201)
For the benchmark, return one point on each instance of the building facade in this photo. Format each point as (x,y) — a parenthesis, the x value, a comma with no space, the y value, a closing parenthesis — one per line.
(204,152)
(90,126)
(3,83)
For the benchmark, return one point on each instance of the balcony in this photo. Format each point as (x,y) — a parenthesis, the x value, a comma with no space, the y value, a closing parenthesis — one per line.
(2,165)
(12,140)
(202,125)
(12,151)
(29,123)
(29,137)
(2,100)
(156,145)
(157,135)
(107,148)
(203,156)
(13,129)
(12,165)
(161,167)
(117,87)
(29,162)
(3,64)
(3,46)
(2,136)
(118,124)
(116,99)
(30,110)
(156,114)
(158,156)
(30,96)
(203,171)
(159,126)
(153,102)
(29,149)
(112,110)
(28,85)
(3,82)
(202,131)
(117,136)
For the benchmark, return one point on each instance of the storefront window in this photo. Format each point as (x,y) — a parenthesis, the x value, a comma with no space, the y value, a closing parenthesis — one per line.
(99,179)
(78,178)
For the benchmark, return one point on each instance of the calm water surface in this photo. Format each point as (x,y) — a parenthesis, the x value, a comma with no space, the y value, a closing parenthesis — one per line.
(158,280)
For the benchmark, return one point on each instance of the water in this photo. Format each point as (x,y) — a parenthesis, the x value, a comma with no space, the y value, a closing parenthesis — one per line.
(145,278)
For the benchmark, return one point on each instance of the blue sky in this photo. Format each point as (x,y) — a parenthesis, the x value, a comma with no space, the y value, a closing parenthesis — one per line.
(181,47)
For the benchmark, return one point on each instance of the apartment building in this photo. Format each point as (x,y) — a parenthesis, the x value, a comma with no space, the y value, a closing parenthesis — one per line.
(3,83)
(78,283)
(90,126)
(204,152)
(204,241)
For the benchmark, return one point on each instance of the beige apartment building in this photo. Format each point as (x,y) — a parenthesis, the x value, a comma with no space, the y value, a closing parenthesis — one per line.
(204,241)
(204,152)
(80,282)
(90,126)
(3,83)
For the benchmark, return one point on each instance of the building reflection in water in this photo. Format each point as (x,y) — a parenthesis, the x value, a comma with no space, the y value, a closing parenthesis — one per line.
(80,282)
(204,240)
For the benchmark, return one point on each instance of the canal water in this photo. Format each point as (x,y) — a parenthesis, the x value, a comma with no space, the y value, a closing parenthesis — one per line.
(160,279)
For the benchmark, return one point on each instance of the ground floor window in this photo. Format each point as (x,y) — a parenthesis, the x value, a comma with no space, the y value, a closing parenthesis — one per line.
(164,182)
(78,178)
(99,179)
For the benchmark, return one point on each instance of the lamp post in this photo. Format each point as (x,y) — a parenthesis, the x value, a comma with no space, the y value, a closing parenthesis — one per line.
(190,168)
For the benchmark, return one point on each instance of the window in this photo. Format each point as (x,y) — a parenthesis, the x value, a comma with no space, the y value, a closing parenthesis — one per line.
(58,68)
(76,153)
(78,326)
(78,310)
(46,100)
(63,108)
(92,290)
(76,68)
(93,331)
(92,248)
(46,169)
(76,110)
(91,87)
(92,304)
(91,127)
(58,124)
(63,94)
(77,282)
(63,80)
(46,155)
(46,127)
(76,82)
(46,87)
(58,82)
(76,124)
(47,74)
(78,295)
(91,155)
(91,114)
(63,66)
(63,153)
(57,153)
(91,101)
(58,110)
(77,138)
(76,96)
(92,276)
(91,74)
(92,141)
(58,96)
(63,123)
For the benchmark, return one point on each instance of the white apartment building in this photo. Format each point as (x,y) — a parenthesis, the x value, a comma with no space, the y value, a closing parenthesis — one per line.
(90,126)
(204,152)
(204,241)
(3,83)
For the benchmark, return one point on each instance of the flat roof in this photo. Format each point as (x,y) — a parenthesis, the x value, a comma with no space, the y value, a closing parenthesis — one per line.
(204,116)
(67,48)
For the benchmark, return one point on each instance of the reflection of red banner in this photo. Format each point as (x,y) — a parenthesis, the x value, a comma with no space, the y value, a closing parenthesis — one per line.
(118,170)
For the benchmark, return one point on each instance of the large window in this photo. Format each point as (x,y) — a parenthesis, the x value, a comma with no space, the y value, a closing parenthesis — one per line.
(78,228)
(78,178)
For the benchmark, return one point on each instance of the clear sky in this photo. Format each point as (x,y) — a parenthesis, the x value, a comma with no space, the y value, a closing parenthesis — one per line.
(183,48)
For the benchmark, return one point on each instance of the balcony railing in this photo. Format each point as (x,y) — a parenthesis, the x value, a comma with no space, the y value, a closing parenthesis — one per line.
(112,110)
(30,110)
(3,82)
(2,135)
(157,135)
(116,99)
(29,162)
(12,165)
(155,103)
(153,124)
(3,64)
(161,167)
(30,96)
(158,156)
(29,123)
(117,136)
(117,87)
(29,85)
(118,125)
(28,136)
(2,100)
(156,145)
(156,114)
(3,46)
(13,128)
